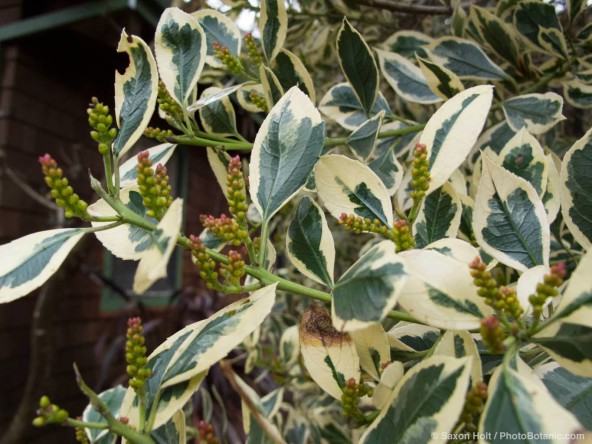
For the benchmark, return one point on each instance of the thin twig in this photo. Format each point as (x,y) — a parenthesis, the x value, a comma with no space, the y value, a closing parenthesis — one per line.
(28,189)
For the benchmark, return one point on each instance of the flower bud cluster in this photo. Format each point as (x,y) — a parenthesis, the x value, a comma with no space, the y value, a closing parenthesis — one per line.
(234,270)
(492,334)
(154,187)
(100,120)
(206,433)
(61,191)
(350,395)
(236,192)
(258,101)
(253,49)
(402,236)
(206,265)
(231,62)
(225,228)
(474,404)
(81,433)
(158,134)
(547,288)
(167,104)
(358,225)
(135,355)
(49,413)
(420,173)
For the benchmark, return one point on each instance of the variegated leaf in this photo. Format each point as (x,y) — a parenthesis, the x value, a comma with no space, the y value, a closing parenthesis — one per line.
(363,138)
(407,43)
(536,112)
(243,95)
(409,337)
(217,117)
(578,94)
(209,99)
(309,243)
(261,408)
(498,35)
(406,78)
(366,292)
(272,89)
(219,161)
(439,216)
(173,432)
(358,65)
(273,25)
(439,291)
(465,59)
(509,219)
(495,137)
(531,16)
(153,264)
(426,403)
(348,186)
(290,71)
(452,131)
(519,405)
(135,93)
(341,104)
(373,349)
(218,28)
(574,393)
(125,241)
(285,151)
(112,398)
(329,355)
(552,196)
(524,156)
(159,154)
(390,377)
(443,82)
(576,190)
(290,346)
(28,262)
(180,48)
(389,170)
(459,344)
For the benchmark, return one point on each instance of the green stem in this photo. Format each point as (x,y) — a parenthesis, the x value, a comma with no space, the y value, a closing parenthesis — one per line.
(113,423)
(87,425)
(104,219)
(263,243)
(153,410)
(142,409)
(109,173)
(199,141)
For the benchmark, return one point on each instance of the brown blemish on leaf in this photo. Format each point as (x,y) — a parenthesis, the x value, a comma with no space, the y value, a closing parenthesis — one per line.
(316,326)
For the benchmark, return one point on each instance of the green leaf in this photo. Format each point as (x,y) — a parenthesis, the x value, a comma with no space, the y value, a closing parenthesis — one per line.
(112,399)
(574,393)
(285,152)
(439,216)
(425,403)
(328,354)
(273,24)
(443,82)
(407,43)
(524,156)
(290,71)
(173,432)
(341,104)
(518,405)
(536,112)
(576,190)
(153,264)
(363,138)
(309,243)
(348,186)
(366,292)
(272,89)
(500,36)
(180,48)
(135,93)
(159,154)
(531,16)
(509,219)
(358,65)
(218,28)
(28,262)
(452,131)
(495,137)
(217,117)
(439,291)
(465,59)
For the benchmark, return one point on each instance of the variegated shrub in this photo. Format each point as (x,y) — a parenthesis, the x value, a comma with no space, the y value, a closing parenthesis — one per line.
(433,201)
